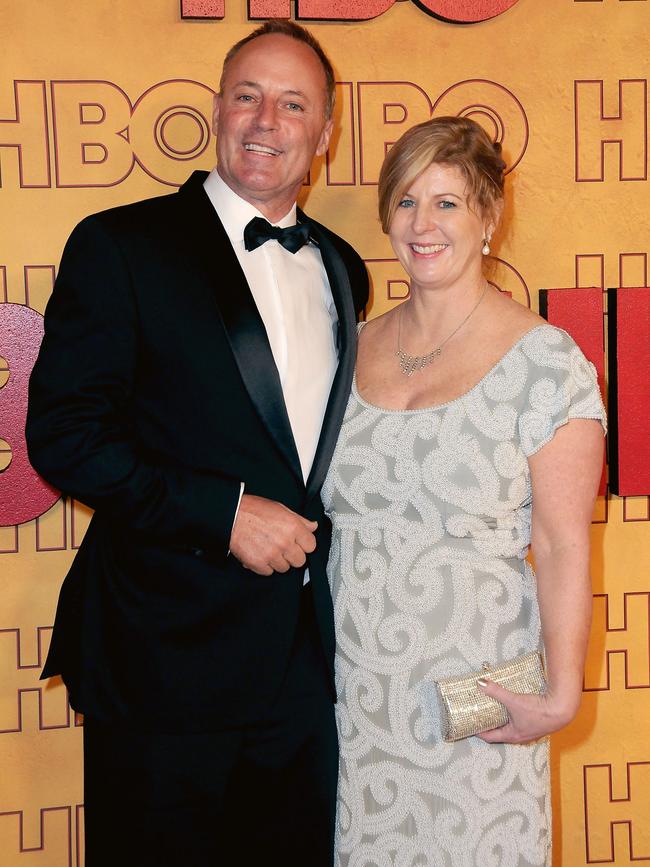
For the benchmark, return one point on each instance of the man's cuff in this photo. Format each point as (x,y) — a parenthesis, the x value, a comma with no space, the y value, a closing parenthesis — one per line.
(241,494)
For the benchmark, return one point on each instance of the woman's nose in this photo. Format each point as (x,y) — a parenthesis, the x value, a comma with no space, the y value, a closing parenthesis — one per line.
(424,219)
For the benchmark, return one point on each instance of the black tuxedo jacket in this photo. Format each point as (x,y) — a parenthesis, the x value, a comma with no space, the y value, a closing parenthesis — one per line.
(154,395)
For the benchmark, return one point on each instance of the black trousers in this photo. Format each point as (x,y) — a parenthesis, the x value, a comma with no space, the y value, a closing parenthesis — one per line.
(255,795)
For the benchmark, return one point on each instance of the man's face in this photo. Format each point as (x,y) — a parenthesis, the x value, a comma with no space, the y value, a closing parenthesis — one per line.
(270,121)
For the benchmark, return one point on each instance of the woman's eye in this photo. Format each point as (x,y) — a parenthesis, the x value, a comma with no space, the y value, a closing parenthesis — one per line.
(406,203)
(445,203)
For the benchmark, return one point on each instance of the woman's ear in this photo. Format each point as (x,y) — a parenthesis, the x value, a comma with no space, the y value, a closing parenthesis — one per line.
(493,218)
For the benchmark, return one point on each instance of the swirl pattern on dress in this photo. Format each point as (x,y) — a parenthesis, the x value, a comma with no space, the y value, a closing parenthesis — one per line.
(431,513)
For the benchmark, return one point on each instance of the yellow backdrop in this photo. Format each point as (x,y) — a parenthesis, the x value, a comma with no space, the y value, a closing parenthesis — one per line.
(106,102)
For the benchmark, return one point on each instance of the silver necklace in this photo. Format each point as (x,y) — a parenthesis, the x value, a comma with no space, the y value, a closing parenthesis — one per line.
(410,363)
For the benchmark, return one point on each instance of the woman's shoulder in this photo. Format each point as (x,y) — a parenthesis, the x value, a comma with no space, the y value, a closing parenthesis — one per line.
(375,327)
(562,384)
(547,344)
(533,335)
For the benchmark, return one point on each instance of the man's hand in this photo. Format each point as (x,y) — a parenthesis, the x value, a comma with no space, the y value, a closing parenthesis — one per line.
(267,537)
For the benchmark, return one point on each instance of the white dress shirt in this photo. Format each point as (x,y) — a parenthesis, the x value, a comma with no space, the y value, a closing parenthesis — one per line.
(294,299)
(293,296)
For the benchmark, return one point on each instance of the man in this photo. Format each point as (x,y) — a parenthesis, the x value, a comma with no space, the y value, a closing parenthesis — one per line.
(187,358)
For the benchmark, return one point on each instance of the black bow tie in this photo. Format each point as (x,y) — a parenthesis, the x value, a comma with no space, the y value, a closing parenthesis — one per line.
(258,232)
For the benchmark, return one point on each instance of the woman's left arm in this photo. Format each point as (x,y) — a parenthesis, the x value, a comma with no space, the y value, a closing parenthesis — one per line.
(564,478)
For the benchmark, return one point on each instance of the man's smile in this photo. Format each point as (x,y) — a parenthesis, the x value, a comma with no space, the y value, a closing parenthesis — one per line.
(254,147)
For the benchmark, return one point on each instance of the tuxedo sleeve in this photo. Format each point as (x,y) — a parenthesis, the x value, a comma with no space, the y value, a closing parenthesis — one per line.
(80,431)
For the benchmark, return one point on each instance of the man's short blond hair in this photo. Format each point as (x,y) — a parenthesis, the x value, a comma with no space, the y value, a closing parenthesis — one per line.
(282,27)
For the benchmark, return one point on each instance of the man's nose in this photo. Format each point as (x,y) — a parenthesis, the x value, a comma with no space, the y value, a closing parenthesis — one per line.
(266,116)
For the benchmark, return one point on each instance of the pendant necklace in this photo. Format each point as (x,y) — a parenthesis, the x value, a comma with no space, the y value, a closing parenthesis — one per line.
(410,363)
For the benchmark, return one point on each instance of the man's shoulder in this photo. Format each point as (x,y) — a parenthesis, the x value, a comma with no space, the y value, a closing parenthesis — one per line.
(354,264)
(344,247)
(150,211)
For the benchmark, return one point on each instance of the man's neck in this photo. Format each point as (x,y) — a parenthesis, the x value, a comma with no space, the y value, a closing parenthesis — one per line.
(272,208)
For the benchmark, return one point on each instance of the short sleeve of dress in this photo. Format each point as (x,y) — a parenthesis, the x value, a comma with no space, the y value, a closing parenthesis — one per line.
(561,385)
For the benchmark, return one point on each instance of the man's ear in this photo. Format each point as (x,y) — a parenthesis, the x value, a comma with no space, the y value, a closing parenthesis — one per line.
(216,105)
(325,136)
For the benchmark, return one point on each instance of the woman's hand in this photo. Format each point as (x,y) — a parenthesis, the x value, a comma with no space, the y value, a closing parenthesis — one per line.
(531,716)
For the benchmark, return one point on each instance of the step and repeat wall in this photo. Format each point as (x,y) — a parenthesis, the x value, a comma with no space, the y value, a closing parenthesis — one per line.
(109,101)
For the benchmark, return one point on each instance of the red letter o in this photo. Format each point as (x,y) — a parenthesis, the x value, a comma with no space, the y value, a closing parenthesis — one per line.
(465,11)
(24,495)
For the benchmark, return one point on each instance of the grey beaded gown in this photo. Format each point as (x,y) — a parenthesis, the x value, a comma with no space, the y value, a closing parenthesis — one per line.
(431,512)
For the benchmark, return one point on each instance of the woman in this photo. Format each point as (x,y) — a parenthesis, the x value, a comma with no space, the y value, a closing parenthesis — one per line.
(468,415)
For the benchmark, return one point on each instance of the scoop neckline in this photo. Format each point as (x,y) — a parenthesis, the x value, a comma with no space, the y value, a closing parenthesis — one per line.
(436,406)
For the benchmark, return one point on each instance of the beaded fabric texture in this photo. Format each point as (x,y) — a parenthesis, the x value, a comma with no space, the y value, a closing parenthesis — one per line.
(431,512)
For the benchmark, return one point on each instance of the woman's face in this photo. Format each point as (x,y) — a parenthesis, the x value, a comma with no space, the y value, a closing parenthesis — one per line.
(435,233)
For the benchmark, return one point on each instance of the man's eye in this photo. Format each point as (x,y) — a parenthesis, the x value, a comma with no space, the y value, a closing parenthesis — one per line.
(294,106)
(245,97)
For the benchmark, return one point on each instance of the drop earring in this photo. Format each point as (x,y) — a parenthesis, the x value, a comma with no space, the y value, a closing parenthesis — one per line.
(486,247)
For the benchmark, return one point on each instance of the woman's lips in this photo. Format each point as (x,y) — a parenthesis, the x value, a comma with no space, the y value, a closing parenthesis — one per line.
(428,249)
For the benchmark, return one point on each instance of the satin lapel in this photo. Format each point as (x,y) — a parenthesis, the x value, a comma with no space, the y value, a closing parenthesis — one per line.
(243,324)
(338,399)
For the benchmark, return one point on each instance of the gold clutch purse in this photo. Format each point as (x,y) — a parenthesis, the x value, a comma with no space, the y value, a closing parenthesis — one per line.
(467,711)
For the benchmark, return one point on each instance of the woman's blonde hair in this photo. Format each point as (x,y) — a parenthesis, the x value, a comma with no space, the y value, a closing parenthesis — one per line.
(451,141)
